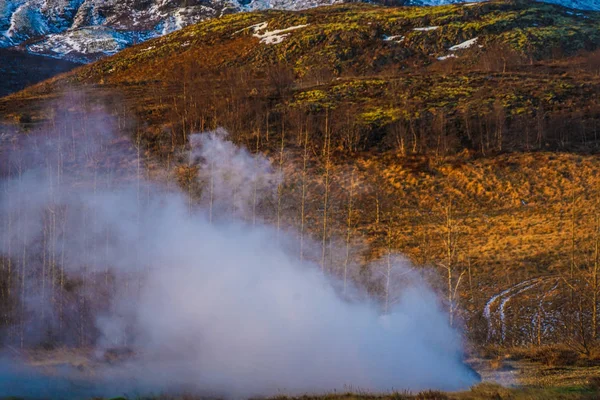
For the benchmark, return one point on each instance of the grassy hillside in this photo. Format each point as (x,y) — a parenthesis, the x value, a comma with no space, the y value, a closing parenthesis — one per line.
(483,165)
(352,38)
(531,72)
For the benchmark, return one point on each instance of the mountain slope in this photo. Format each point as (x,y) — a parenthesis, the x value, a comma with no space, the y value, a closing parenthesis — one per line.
(453,58)
(412,129)
(86,30)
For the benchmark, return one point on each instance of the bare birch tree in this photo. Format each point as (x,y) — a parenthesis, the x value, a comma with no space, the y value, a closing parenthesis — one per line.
(326,155)
(303,201)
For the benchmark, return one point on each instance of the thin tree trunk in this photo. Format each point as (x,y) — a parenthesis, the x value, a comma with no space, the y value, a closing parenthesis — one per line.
(280,186)
(595,279)
(23,262)
(254,194)
(44,261)
(326,151)
(8,246)
(388,269)
(572,263)
(348,229)
(303,203)
(211,194)
(62,267)
(449,258)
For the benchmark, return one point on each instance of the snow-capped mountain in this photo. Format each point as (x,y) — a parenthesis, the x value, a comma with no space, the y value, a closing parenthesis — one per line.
(85,30)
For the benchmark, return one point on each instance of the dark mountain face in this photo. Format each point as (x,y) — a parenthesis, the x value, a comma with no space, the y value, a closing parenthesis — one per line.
(19,70)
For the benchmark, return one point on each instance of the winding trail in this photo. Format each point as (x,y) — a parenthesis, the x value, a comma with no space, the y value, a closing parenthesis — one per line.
(505,297)
(539,314)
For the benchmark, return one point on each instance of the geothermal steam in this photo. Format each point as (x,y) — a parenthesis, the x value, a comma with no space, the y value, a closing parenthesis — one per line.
(209,300)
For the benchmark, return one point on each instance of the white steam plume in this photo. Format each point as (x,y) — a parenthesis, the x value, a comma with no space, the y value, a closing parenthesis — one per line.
(211,307)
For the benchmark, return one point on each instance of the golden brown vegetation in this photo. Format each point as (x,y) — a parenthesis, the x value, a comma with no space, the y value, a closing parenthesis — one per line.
(483,168)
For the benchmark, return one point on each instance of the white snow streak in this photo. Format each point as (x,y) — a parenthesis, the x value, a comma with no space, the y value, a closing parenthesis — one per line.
(395,38)
(464,45)
(272,37)
(426,28)
(505,297)
(442,58)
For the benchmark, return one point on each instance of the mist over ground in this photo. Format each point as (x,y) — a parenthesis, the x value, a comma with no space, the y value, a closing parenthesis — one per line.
(208,298)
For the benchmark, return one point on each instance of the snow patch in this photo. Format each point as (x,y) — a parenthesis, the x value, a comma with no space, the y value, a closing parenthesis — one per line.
(255,5)
(50,21)
(395,38)
(272,37)
(503,298)
(426,28)
(77,45)
(23,20)
(442,58)
(464,45)
(576,14)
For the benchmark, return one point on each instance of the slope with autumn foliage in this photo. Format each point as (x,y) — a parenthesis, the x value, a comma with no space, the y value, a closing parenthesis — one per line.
(481,165)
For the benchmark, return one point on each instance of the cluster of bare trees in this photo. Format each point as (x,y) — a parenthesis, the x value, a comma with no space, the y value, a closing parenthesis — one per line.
(580,278)
(261,114)
(40,165)
(323,195)
(194,99)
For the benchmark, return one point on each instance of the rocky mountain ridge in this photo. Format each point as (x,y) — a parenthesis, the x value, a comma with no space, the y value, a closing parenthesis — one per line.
(86,30)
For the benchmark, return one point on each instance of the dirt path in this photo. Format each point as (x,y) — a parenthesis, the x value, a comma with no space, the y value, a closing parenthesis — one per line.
(504,297)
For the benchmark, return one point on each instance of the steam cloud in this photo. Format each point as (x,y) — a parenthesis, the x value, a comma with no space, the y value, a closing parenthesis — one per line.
(209,301)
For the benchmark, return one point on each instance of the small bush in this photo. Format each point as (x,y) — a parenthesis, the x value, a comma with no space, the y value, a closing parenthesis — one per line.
(432,395)
(400,396)
(499,364)
(521,353)
(595,355)
(495,363)
(594,382)
(490,391)
(557,356)
(552,356)
(24,118)
(491,352)
(587,362)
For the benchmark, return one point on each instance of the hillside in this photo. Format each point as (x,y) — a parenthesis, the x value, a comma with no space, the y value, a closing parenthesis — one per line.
(525,63)
(85,30)
(464,136)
